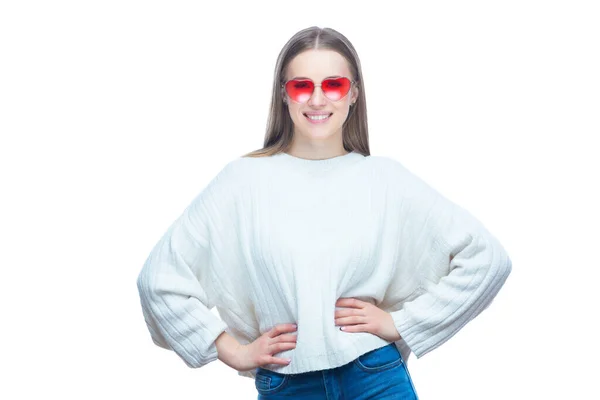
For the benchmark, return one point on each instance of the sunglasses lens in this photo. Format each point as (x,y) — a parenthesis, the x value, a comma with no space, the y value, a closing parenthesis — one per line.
(335,89)
(299,90)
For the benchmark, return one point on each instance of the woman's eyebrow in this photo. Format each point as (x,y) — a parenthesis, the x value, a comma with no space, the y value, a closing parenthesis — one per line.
(327,77)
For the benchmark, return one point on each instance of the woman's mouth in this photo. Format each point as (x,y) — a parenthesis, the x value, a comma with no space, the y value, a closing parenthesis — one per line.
(318,119)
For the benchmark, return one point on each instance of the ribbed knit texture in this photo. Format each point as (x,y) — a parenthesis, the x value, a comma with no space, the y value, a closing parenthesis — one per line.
(279,239)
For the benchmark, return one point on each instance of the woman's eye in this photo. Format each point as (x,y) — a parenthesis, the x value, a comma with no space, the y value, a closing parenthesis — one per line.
(333,84)
(301,85)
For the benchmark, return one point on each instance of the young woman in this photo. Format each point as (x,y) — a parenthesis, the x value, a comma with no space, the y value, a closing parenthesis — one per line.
(368,261)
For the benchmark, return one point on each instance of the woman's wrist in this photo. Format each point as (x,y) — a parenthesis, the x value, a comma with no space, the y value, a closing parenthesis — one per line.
(227,348)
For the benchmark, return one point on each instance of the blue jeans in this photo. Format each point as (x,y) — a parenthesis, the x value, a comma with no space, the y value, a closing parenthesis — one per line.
(377,375)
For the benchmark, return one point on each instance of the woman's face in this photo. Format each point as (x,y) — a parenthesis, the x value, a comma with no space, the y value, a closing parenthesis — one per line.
(318,65)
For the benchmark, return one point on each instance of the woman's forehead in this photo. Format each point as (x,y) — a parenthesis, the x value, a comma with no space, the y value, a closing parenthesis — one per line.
(317,65)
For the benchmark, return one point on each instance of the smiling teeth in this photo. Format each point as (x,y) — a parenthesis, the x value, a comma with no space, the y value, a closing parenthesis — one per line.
(318,117)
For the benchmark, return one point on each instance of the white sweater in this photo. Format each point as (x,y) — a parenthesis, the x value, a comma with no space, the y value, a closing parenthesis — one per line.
(279,239)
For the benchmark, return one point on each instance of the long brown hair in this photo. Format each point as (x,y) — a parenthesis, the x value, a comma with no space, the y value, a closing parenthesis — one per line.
(280,128)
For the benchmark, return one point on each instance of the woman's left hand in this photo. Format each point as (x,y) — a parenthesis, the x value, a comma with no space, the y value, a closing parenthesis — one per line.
(362,316)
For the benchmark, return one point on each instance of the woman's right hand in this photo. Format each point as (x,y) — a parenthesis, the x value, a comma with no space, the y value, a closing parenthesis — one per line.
(260,352)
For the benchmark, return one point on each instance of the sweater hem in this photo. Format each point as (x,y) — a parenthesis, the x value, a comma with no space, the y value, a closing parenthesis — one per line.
(318,362)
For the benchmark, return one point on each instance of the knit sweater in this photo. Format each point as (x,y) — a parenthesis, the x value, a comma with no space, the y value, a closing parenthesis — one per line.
(279,239)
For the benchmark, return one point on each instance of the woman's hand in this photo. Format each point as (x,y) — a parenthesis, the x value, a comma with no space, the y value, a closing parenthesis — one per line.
(262,351)
(365,317)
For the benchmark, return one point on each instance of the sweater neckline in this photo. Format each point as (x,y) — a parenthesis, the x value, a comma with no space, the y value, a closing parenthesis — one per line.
(316,164)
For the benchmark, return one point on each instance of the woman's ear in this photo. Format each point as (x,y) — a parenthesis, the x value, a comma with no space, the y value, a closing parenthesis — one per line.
(354,94)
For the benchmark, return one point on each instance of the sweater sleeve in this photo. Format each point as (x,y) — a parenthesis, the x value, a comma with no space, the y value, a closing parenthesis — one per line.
(174,285)
(460,264)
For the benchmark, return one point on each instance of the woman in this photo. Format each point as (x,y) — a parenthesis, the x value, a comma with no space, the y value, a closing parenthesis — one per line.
(368,261)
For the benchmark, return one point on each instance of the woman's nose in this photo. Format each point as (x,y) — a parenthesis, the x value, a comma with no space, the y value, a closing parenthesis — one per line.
(317,98)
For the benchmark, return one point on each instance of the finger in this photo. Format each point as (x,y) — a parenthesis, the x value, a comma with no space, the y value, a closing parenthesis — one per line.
(355,328)
(278,329)
(345,313)
(350,320)
(340,301)
(278,360)
(279,347)
(349,302)
(287,338)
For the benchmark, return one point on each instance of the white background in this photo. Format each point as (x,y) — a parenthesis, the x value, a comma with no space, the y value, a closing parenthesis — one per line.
(114,114)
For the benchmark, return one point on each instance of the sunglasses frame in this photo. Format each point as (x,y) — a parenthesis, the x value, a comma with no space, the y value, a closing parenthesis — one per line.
(283,86)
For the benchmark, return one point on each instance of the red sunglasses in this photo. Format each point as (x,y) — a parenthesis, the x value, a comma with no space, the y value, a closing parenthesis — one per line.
(334,89)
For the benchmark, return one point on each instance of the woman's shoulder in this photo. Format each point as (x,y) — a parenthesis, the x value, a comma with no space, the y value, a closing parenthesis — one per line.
(389,166)
(238,169)
(382,161)
(405,180)
(243,169)
(225,183)
(237,174)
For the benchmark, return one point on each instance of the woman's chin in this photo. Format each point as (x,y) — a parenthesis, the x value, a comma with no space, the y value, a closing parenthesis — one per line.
(319,131)
(318,134)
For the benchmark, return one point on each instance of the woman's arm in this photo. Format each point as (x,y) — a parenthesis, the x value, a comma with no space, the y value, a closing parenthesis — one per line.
(173,287)
(462,267)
